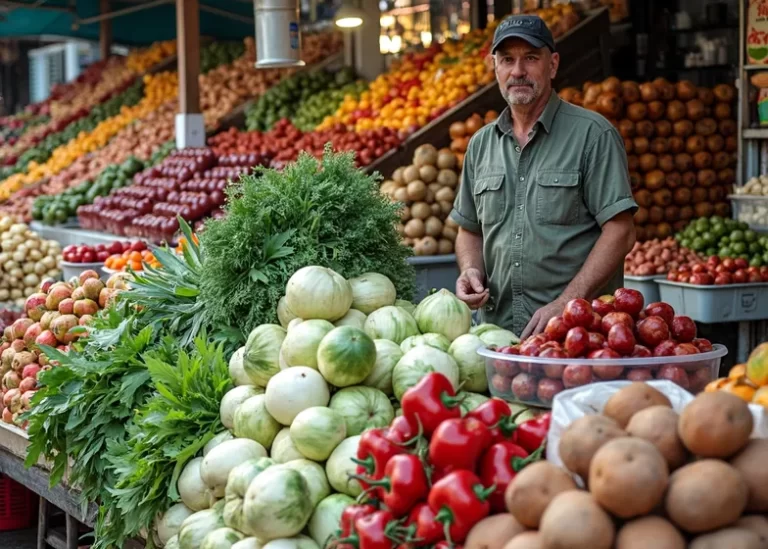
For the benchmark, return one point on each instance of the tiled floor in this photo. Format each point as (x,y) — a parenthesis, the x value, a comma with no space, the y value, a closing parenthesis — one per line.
(19,539)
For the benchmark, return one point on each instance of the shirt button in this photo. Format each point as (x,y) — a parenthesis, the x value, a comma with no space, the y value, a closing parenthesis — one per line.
(517,235)
(522,178)
(517,149)
(517,264)
(520,207)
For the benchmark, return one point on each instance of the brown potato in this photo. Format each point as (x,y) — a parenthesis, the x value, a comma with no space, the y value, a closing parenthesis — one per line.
(526,540)
(658,425)
(493,532)
(758,524)
(650,532)
(715,425)
(705,495)
(574,520)
(625,466)
(532,490)
(583,438)
(728,538)
(752,463)
(630,400)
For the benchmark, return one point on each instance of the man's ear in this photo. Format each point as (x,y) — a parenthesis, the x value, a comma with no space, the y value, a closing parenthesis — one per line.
(554,65)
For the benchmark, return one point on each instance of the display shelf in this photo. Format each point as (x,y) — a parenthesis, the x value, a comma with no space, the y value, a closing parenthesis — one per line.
(755,133)
(66,236)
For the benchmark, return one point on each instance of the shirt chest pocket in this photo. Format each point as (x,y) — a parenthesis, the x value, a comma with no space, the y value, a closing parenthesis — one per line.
(558,197)
(489,199)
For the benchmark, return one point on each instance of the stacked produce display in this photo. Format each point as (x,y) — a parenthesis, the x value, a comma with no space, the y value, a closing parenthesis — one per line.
(747,381)
(658,257)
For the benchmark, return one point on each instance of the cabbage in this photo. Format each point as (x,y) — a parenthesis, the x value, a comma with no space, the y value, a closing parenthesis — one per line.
(353,318)
(419,362)
(362,408)
(283,448)
(169,524)
(480,329)
(276,504)
(499,338)
(191,487)
(284,314)
(236,368)
(346,356)
(248,543)
(470,401)
(340,466)
(215,441)
(472,374)
(262,352)
(443,313)
(314,475)
(254,422)
(388,354)
(407,305)
(326,518)
(438,341)
(196,527)
(318,293)
(226,456)
(298,542)
(173,543)
(233,399)
(293,390)
(317,431)
(237,485)
(301,343)
(372,291)
(392,323)
(223,538)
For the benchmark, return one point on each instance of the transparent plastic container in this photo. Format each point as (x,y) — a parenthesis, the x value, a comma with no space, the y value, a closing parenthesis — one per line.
(750,209)
(535,381)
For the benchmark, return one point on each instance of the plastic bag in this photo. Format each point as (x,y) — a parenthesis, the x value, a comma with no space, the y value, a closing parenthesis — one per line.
(572,404)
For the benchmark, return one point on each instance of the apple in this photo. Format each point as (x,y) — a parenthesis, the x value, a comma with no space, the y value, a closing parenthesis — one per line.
(628,301)
(602,307)
(556,328)
(578,312)
(684,349)
(641,351)
(729,264)
(606,372)
(552,370)
(674,373)
(704,279)
(596,341)
(616,318)
(500,384)
(597,323)
(577,342)
(683,329)
(723,279)
(698,379)
(652,331)
(665,348)
(524,386)
(741,263)
(548,388)
(661,309)
(639,374)
(506,368)
(532,345)
(576,375)
(509,350)
(621,339)
(555,371)
(550,345)
(703,345)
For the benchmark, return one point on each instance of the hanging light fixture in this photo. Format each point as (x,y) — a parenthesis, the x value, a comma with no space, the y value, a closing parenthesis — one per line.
(349,16)
(278,36)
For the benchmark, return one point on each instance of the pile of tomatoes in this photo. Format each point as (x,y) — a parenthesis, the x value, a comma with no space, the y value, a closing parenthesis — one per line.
(719,272)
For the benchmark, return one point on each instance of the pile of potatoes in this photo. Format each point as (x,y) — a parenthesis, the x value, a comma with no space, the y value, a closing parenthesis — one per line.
(681,146)
(654,480)
(426,188)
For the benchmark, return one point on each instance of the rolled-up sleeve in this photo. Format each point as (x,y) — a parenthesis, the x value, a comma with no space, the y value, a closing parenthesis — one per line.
(464,211)
(607,191)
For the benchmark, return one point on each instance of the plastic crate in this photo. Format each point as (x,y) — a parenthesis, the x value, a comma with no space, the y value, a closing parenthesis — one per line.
(713,304)
(751,209)
(17,505)
(646,285)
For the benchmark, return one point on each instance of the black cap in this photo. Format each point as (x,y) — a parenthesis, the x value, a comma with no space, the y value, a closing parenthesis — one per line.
(530,28)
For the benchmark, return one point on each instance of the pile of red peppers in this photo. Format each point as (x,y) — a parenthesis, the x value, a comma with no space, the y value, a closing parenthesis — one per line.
(432,475)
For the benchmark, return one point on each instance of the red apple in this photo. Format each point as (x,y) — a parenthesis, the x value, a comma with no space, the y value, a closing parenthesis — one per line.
(616,318)
(577,342)
(533,369)
(500,384)
(553,370)
(548,388)
(741,263)
(674,373)
(665,348)
(621,339)
(628,301)
(550,345)
(684,349)
(639,374)
(532,345)
(698,379)
(740,277)
(641,351)
(661,309)
(703,345)
(576,375)
(524,386)
(652,331)
(606,372)
(602,307)
(597,323)
(729,264)
(702,279)
(596,341)
(683,329)
(578,312)
(556,328)
(723,279)
(506,368)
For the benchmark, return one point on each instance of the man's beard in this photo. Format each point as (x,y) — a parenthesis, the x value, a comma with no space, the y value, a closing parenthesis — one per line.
(521,96)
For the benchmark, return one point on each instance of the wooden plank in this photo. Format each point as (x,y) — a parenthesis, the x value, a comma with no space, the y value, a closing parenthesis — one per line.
(105,30)
(188,51)
(42,523)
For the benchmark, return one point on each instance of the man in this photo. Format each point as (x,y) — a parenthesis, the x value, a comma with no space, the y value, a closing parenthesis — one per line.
(545,206)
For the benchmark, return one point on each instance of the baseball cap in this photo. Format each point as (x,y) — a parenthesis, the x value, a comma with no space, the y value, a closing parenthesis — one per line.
(530,28)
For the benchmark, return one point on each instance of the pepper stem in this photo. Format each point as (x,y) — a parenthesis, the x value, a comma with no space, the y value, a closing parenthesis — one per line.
(506,425)
(483,493)
(352,539)
(451,401)
(445,515)
(369,464)
(384,482)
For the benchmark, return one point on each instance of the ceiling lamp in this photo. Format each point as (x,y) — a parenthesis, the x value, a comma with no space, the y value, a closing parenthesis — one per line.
(349,17)
(278,35)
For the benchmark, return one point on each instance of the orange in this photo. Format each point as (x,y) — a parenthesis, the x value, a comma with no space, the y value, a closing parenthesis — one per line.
(761,397)
(741,388)
(715,385)
(740,370)
(757,365)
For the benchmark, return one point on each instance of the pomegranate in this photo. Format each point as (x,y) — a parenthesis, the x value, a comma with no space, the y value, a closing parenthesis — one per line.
(58,293)
(8,396)
(652,330)
(31,334)
(548,388)
(7,416)
(578,312)
(27,384)
(86,307)
(621,339)
(639,374)
(524,386)
(85,320)
(26,398)
(556,328)
(46,338)
(67,306)
(576,375)
(105,297)
(616,318)
(48,318)
(11,380)
(660,309)
(665,348)
(683,329)
(61,327)
(20,327)
(7,359)
(628,301)
(87,275)
(35,306)
(78,294)
(30,370)
(18,345)
(22,359)
(46,285)
(603,307)
(674,373)
(92,288)
(577,342)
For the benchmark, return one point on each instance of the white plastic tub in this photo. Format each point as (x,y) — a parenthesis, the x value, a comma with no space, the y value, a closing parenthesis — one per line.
(70,270)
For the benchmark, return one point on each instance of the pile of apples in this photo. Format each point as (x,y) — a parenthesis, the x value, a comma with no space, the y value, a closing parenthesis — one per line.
(720,272)
(611,328)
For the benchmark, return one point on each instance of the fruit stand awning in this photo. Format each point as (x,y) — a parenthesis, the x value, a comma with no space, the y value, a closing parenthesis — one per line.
(221,19)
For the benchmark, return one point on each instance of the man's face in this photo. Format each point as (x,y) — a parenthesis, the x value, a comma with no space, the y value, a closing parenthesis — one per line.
(523,72)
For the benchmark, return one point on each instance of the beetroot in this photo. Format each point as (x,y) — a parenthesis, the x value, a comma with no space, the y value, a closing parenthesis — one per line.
(61,327)
(20,327)
(31,334)
(35,306)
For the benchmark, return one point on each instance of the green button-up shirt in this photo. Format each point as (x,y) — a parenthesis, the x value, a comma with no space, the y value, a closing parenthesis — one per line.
(540,207)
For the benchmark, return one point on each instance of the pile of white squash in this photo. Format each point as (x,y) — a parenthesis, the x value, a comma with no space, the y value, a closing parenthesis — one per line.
(345,353)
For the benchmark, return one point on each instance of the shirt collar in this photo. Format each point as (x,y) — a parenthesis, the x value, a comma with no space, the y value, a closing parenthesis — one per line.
(504,121)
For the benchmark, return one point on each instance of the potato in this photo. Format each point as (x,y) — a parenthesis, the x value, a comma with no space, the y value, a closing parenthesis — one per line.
(630,400)
(628,466)
(757,524)
(658,425)
(574,520)
(650,532)
(493,532)
(715,425)
(583,438)
(532,490)
(705,495)
(728,538)
(526,540)
(752,463)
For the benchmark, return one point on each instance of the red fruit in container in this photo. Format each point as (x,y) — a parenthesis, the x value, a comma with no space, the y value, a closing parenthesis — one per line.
(576,375)
(698,379)
(550,345)
(661,309)
(621,339)
(674,373)
(639,374)
(548,388)
(524,386)
(555,371)
(509,350)
(683,329)
(665,348)
(500,384)
(556,328)
(532,345)
(577,342)
(506,368)
(703,279)
(597,323)
(578,312)
(552,370)
(652,331)
(611,319)
(602,307)
(641,351)
(723,279)
(741,263)
(684,349)
(703,345)
(755,277)
(729,264)
(628,301)
(533,369)
(607,372)
(596,341)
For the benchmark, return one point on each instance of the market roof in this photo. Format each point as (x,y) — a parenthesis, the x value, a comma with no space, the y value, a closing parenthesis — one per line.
(222,19)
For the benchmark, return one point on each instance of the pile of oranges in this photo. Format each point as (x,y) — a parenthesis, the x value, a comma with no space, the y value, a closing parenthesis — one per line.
(140,61)
(132,259)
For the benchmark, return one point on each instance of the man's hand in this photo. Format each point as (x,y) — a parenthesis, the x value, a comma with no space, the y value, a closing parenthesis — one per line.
(470,289)
(541,317)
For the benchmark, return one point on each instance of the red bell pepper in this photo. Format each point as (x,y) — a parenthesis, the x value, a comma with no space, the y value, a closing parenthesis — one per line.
(350,515)
(402,431)
(404,484)
(430,402)
(500,466)
(458,444)
(497,415)
(375,531)
(532,433)
(374,451)
(459,502)
(423,529)
(447,545)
